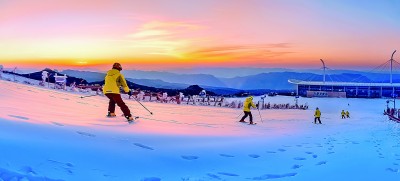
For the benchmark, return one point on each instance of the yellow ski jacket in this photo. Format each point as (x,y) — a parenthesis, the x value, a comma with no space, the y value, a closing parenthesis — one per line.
(317,113)
(113,81)
(248,103)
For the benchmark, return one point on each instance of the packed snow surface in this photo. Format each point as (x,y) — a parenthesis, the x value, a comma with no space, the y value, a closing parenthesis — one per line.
(48,134)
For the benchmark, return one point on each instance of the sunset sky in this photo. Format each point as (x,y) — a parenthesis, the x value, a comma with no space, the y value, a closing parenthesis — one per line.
(157,34)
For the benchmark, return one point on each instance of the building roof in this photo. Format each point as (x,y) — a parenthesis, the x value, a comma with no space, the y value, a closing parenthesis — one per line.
(329,83)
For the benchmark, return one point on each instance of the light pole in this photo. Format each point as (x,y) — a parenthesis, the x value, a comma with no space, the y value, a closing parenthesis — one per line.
(324,67)
(391,67)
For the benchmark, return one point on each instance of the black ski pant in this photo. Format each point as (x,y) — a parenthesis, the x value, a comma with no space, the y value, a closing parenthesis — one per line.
(116,99)
(319,120)
(247,113)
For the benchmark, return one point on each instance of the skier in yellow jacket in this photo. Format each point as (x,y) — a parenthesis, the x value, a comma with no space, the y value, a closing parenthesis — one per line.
(246,109)
(113,81)
(317,116)
(343,114)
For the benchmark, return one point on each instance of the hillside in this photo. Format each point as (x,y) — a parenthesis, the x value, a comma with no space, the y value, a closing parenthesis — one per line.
(55,135)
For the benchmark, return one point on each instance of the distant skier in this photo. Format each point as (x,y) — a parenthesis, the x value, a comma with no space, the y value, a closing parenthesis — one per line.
(347,114)
(343,114)
(317,116)
(113,81)
(246,109)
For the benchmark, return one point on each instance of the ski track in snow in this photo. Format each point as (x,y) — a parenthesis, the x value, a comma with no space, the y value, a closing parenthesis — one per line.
(27,175)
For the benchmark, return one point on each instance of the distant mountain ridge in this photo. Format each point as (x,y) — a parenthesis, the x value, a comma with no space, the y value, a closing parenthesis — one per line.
(273,80)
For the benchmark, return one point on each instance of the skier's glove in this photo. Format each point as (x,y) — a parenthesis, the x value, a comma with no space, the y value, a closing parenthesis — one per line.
(130,93)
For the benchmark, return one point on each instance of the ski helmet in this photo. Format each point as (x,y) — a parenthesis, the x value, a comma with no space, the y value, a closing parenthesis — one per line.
(117,66)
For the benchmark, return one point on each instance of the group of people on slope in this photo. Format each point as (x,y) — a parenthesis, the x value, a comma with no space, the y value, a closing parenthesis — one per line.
(114,80)
(345,114)
(317,115)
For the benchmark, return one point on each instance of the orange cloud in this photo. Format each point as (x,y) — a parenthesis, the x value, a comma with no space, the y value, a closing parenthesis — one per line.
(243,52)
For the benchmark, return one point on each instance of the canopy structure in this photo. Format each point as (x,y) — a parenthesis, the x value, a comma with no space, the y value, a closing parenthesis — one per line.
(347,89)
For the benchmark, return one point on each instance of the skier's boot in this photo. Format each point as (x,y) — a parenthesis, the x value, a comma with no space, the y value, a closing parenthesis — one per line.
(111,114)
(130,119)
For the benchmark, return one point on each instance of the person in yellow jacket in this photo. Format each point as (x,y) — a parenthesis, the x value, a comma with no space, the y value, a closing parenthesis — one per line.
(246,109)
(343,114)
(112,83)
(317,116)
(347,114)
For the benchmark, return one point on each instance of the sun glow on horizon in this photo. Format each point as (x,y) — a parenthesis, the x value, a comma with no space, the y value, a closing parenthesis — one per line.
(231,33)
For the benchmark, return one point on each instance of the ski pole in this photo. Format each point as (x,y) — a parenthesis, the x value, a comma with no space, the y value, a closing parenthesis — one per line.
(239,115)
(89,96)
(260,115)
(143,106)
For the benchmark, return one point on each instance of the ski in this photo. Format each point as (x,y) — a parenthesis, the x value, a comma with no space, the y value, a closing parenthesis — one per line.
(134,119)
(253,124)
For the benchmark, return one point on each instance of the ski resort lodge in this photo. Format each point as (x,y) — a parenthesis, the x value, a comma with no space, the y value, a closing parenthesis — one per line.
(347,89)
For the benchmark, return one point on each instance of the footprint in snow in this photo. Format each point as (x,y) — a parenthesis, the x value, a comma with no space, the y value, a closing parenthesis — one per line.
(226,155)
(67,167)
(299,158)
(321,163)
(281,150)
(392,170)
(254,156)
(151,179)
(214,176)
(273,176)
(189,157)
(28,170)
(86,134)
(143,146)
(296,166)
(19,117)
(57,124)
(228,174)
(309,152)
